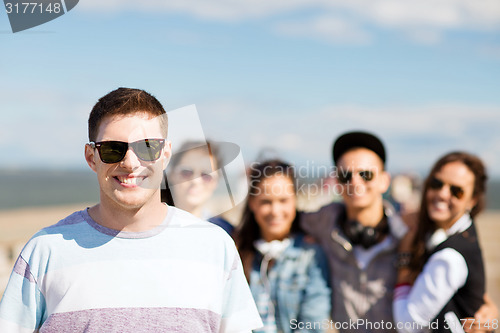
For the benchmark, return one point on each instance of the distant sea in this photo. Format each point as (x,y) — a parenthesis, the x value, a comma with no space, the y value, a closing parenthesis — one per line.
(32,188)
(35,188)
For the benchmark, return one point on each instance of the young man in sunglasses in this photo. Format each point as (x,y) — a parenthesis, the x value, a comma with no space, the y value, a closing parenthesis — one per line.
(360,237)
(129,263)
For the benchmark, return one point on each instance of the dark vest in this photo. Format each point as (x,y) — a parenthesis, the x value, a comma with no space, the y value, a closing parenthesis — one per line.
(470,296)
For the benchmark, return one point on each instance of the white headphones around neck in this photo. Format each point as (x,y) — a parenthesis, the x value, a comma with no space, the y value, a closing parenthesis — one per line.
(273,249)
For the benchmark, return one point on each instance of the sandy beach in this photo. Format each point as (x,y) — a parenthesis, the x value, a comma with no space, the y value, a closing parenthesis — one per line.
(17,226)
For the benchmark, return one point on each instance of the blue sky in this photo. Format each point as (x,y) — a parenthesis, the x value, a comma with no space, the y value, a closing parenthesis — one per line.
(287,75)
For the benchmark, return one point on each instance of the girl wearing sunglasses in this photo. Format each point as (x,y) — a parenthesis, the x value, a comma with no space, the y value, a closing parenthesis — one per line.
(441,277)
(192,179)
(287,274)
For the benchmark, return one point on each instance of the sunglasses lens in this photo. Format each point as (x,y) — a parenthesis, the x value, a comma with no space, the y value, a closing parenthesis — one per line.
(457,191)
(207,178)
(112,151)
(148,149)
(189,174)
(186,173)
(436,184)
(344,177)
(366,175)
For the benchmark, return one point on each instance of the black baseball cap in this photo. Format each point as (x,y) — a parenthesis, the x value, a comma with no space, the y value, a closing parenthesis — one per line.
(350,140)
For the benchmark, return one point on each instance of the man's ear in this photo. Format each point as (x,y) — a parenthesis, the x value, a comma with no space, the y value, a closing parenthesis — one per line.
(167,154)
(385,181)
(90,157)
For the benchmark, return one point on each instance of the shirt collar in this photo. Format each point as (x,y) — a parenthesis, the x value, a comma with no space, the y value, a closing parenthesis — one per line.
(440,235)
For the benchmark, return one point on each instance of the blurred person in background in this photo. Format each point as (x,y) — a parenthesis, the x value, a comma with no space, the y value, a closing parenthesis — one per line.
(192,180)
(443,279)
(360,234)
(404,193)
(360,237)
(287,274)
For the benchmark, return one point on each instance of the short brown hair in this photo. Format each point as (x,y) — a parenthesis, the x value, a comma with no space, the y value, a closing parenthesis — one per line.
(125,101)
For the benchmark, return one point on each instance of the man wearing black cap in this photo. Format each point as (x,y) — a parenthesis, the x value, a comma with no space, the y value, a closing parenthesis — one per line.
(360,236)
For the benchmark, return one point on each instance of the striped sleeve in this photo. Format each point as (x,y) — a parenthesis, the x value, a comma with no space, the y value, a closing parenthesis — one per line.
(22,306)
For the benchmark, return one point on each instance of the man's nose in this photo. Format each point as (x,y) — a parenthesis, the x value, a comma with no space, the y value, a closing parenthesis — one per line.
(357,179)
(130,161)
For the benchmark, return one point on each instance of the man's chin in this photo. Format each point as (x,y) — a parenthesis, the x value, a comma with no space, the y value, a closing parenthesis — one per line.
(133,201)
(355,198)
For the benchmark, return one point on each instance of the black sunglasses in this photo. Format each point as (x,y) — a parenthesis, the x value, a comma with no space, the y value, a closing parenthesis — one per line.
(345,177)
(456,191)
(114,151)
(189,174)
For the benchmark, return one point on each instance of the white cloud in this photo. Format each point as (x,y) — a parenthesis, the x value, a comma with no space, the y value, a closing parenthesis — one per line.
(215,10)
(415,136)
(332,29)
(424,21)
(416,13)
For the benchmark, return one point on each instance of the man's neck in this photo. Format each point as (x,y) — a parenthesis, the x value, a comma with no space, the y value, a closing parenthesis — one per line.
(140,219)
(367,216)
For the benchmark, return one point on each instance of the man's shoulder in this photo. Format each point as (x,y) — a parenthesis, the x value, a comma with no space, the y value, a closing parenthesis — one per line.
(316,223)
(72,220)
(335,207)
(330,210)
(54,236)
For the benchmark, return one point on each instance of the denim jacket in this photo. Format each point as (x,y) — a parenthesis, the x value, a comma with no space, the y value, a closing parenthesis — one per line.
(299,287)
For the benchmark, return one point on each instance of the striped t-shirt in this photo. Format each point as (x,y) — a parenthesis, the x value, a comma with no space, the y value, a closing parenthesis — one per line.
(78,276)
